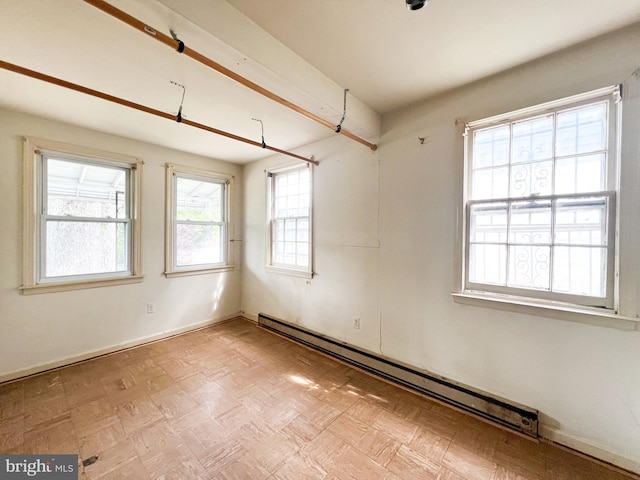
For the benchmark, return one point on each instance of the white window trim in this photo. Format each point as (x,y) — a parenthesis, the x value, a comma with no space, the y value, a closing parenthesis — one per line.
(170,269)
(624,315)
(31,243)
(280,269)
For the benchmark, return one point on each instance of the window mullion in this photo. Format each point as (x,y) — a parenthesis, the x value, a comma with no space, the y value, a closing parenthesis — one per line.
(586,126)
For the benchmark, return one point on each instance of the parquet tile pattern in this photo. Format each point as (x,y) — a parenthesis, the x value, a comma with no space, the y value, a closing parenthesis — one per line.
(236,402)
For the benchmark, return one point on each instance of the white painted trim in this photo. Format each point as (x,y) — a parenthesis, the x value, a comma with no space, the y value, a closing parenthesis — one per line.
(43,367)
(31,282)
(572,313)
(171,171)
(294,272)
(537,109)
(249,316)
(53,287)
(204,271)
(284,269)
(581,445)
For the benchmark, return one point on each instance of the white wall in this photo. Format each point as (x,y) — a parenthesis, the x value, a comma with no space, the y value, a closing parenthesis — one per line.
(583,379)
(345,217)
(42,330)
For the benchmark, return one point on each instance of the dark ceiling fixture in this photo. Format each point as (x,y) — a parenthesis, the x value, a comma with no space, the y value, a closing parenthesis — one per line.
(416,4)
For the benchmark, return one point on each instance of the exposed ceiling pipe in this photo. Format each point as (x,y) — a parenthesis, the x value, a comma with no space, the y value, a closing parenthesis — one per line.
(179,46)
(136,106)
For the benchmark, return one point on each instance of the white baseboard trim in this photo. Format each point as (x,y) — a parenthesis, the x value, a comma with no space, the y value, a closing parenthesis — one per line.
(580,445)
(249,316)
(43,367)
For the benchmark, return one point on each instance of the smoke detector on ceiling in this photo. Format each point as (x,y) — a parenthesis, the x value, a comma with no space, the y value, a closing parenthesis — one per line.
(416,4)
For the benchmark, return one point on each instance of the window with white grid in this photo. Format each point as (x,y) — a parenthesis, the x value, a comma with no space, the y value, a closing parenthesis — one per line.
(81,217)
(290,220)
(541,193)
(197,216)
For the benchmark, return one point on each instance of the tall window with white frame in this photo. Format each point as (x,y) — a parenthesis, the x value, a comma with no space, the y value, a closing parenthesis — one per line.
(81,220)
(541,194)
(290,220)
(197,213)
(85,219)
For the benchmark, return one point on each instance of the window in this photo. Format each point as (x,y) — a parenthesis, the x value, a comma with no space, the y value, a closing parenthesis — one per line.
(81,216)
(540,202)
(290,221)
(197,221)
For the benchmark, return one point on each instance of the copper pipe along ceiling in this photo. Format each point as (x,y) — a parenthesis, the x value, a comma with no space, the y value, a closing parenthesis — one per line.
(180,47)
(142,108)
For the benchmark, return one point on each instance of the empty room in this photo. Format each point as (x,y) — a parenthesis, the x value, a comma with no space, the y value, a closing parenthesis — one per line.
(337,239)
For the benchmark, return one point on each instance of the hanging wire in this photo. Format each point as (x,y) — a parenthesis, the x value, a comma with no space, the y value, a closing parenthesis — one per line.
(184,90)
(344,112)
(264,145)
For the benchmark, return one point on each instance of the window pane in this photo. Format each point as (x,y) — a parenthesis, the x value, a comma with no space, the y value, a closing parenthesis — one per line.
(302,254)
(531,179)
(290,253)
(487,263)
(581,221)
(278,252)
(302,234)
(84,248)
(490,183)
(290,230)
(491,147)
(533,140)
(580,270)
(488,223)
(84,190)
(199,200)
(198,244)
(278,230)
(582,130)
(281,207)
(291,233)
(292,205)
(580,174)
(529,266)
(303,205)
(530,222)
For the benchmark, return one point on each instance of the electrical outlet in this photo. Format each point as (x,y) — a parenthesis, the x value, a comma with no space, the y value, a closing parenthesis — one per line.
(150,308)
(356,323)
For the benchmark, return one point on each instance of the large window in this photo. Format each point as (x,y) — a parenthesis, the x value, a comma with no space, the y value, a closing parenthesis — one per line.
(197,221)
(541,196)
(81,217)
(290,221)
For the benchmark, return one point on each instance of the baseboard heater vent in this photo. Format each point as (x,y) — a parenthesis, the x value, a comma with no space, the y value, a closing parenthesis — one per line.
(506,413)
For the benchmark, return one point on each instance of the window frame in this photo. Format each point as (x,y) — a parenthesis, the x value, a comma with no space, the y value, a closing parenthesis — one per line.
(35,217)
(173,172)
(271,174)
(512,298)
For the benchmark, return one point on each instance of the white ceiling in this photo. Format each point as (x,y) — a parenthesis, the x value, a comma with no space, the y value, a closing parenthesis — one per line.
(303,50)
(390,57)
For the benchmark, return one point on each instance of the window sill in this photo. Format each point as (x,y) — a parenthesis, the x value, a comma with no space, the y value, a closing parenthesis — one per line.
(289,271)
(572,313)
(79,285)
(203,271)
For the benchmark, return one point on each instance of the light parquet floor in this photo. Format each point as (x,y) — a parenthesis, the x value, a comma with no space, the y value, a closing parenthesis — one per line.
(236,402)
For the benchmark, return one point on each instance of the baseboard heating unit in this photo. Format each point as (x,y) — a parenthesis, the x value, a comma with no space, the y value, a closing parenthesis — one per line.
(504,412)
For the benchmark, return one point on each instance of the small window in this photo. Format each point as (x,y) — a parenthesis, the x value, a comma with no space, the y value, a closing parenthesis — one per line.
(541,195)
(84,224)
(197,221)
(290,221)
